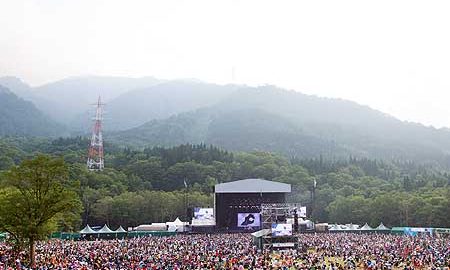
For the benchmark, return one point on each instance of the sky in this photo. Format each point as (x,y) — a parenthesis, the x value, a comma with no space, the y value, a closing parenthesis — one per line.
(393,56)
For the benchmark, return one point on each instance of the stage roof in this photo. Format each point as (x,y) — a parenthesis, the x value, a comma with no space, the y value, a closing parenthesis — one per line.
(253,186)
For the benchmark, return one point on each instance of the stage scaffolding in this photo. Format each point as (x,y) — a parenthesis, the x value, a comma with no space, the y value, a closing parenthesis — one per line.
(278,213)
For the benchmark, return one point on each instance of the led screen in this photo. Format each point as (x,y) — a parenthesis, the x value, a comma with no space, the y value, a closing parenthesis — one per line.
(203,213)
(249,220)
(281,230)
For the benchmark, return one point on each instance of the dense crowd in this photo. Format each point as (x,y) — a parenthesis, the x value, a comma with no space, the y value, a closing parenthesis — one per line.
(236,251)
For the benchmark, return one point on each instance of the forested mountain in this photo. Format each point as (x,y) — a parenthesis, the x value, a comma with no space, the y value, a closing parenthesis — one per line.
(272,119)
(21,118)
(242,130)
(235,117)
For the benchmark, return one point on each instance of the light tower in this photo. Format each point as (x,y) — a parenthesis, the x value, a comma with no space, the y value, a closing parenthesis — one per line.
(95,161)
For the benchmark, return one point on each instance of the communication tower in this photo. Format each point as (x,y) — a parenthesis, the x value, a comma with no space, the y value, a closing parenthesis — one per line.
(95,160)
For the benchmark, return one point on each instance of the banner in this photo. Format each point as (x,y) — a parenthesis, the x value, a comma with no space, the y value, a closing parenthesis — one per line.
(249,220)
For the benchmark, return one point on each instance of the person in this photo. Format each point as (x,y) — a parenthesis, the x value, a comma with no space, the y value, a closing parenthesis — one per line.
(236,252)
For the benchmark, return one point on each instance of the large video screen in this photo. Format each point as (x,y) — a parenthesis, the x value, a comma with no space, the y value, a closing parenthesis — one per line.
(248,220)
(281,230)
(204,213)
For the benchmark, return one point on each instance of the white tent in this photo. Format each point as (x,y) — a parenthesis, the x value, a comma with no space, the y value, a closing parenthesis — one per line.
(177,221)
(87,230)
(105,229)
(177,225)
(366,227)
(120,230)
(381,227)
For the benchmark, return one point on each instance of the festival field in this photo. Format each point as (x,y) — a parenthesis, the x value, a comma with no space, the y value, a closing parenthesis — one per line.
(235,251)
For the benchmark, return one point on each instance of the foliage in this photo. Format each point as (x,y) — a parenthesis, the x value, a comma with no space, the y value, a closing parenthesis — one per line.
(354,189)
(36,198)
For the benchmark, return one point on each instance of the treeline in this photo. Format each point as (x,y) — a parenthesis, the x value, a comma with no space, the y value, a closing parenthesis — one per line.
(144,186)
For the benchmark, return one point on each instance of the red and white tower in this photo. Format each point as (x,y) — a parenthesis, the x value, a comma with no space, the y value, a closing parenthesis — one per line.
(95,161)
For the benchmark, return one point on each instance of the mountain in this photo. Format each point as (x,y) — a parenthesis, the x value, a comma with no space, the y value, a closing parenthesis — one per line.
(18,87)
(273,119)
(74,96)
(160,101)
(147,111)
(19,117)
(130,102)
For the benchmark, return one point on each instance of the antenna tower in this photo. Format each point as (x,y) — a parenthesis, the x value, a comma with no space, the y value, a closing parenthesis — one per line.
(95,161)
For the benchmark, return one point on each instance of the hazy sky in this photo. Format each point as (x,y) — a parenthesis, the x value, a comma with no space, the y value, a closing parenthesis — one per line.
(391,55)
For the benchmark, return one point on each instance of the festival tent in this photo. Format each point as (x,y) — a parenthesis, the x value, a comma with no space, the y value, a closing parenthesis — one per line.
(120,230)
(106,233)
(366,227)
(87,230)
(177,225)
(105,229)
(120,233)
(382,228)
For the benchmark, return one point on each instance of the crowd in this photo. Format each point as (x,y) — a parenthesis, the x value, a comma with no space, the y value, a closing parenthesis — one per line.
(236,251)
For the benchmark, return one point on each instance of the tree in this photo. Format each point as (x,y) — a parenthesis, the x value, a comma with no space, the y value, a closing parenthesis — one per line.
(352,209)
(36,196)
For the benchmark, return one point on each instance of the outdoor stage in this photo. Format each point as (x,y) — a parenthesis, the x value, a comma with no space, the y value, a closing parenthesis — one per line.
(238,204)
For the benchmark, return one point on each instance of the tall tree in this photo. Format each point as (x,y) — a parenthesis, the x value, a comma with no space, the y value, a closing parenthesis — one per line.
(36,197)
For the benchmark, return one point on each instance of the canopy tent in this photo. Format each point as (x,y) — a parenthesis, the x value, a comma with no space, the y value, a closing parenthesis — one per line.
(177,225)
(120,230)
(105,229)
(177,221)
(381,227)
(87,230)
(366,227)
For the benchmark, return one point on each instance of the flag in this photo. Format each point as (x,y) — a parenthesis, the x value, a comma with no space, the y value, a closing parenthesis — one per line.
(315,183)
(185,184)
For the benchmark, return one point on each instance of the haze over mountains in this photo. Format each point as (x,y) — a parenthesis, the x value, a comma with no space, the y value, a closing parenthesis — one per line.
(146,111)
(21,118)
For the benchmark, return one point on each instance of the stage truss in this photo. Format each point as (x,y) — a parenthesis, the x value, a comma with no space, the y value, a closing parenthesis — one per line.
(277,213)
